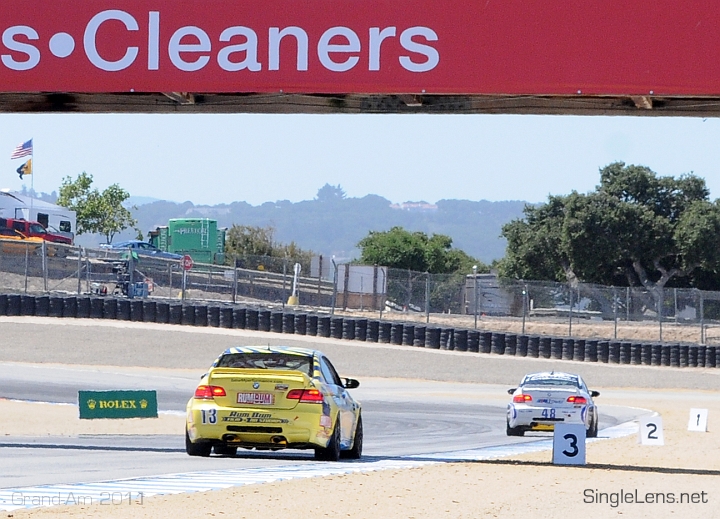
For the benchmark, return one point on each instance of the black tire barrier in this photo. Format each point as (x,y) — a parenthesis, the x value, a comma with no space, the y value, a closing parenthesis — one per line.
(604,352)
(646,354)
(701,348)
(533,349)
(373,331)
(711,357)
(556,347)
(666,351)
(13,305)
(27,305)
(656,355)
(510,344)
(288,323)
(323,326)
(568,349)
(635,354)
(683,355)
(96,307)
(446,339)
(201,315)
(149,311)
(675,355)
(176,313)
(70,306)
(3,304)
(123,309)
(361,326)
(252,319)
(348,329)
(591,351)
(109,308)
(625,352)
(188,315)
(497,343)
(336,327)
(408,335)
(461,340)
(473,341)
(419,334)
(226,317)
(396,331)
(83,307)
(522,346)
(544,348)
(264,320)
(136,310)
(300,324)
(485,342)
(213,316)
(276,322)
(55,305)
(579,351)
(614,352)
(311,327)
(432,338)
(692,357)
(42,306)
(162,312)
(239,318)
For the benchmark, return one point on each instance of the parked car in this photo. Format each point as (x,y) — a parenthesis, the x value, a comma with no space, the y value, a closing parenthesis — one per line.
(142,248)
(33,230)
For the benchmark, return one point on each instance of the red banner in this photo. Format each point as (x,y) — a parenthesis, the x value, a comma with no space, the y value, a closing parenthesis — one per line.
(538,47)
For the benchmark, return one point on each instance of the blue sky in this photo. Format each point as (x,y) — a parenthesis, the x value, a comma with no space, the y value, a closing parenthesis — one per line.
(210,159)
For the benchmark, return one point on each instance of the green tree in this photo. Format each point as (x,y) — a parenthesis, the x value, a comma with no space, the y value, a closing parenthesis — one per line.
(635,228)
(247,240)
(329,193)
(97,212)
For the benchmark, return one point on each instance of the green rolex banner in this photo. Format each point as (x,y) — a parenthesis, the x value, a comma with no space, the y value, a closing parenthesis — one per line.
(117,404)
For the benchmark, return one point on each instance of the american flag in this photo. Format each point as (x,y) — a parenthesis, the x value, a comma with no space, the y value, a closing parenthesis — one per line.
(22,150)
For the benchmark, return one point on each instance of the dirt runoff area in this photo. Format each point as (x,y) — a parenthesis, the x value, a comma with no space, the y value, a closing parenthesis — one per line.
(618,473)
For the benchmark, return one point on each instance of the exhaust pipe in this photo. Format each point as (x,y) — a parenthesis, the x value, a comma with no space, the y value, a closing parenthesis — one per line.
(277,440)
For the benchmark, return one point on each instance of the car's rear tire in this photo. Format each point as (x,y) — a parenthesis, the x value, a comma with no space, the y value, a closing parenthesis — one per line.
(513,431)
(356,452)
(197,449)
(332,451)
(593,430)
(225,450)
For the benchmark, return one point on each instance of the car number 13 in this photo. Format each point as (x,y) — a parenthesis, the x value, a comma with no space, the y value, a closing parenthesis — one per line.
(209,416)
(548,413)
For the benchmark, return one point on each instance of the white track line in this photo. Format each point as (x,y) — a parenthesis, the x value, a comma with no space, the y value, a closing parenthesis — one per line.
(136,489)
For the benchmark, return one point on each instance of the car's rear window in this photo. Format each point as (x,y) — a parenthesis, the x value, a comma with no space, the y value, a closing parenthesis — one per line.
(551,381)
(281,361)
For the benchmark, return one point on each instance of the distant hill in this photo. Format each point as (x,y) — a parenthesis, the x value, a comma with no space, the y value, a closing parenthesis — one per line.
(335,226)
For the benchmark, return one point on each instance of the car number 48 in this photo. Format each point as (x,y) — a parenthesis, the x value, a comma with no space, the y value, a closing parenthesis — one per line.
(209,416)
(548,413)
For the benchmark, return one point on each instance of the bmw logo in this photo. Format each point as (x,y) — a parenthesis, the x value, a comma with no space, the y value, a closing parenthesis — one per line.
(256,385)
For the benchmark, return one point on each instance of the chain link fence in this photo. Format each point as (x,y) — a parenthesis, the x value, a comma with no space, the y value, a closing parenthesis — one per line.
(472,301)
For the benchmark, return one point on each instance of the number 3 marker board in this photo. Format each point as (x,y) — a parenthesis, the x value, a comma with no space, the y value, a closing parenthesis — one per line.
(698,420)
(651,431)
(569,444)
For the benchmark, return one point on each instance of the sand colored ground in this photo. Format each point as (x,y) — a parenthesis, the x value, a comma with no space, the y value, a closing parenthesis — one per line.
(520,486)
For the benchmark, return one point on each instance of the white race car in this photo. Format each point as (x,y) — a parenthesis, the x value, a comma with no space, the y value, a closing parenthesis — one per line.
(544,399)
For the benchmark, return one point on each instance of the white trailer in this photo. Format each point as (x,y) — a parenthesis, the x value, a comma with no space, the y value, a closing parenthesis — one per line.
(54,218)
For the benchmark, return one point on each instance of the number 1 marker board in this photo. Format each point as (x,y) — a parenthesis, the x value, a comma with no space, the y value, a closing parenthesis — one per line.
(698,420)
(651,431)
(569,444)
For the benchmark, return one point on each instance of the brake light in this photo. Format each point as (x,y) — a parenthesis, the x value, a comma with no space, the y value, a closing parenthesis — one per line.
(204,392)
(520,399)
(312,396)
(577,400)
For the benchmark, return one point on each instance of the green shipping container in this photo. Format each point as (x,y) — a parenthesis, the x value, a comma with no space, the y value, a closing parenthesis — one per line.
(197,237)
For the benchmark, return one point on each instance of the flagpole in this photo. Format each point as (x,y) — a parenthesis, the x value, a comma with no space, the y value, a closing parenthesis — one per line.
(32,178)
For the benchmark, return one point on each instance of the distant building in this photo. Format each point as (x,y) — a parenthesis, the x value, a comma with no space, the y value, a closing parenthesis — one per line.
(415,207)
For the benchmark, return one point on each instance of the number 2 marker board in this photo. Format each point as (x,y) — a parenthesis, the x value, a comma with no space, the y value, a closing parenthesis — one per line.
(651,431)
(569,444)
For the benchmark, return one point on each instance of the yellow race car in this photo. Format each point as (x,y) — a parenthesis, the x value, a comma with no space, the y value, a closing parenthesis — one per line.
(272,398)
